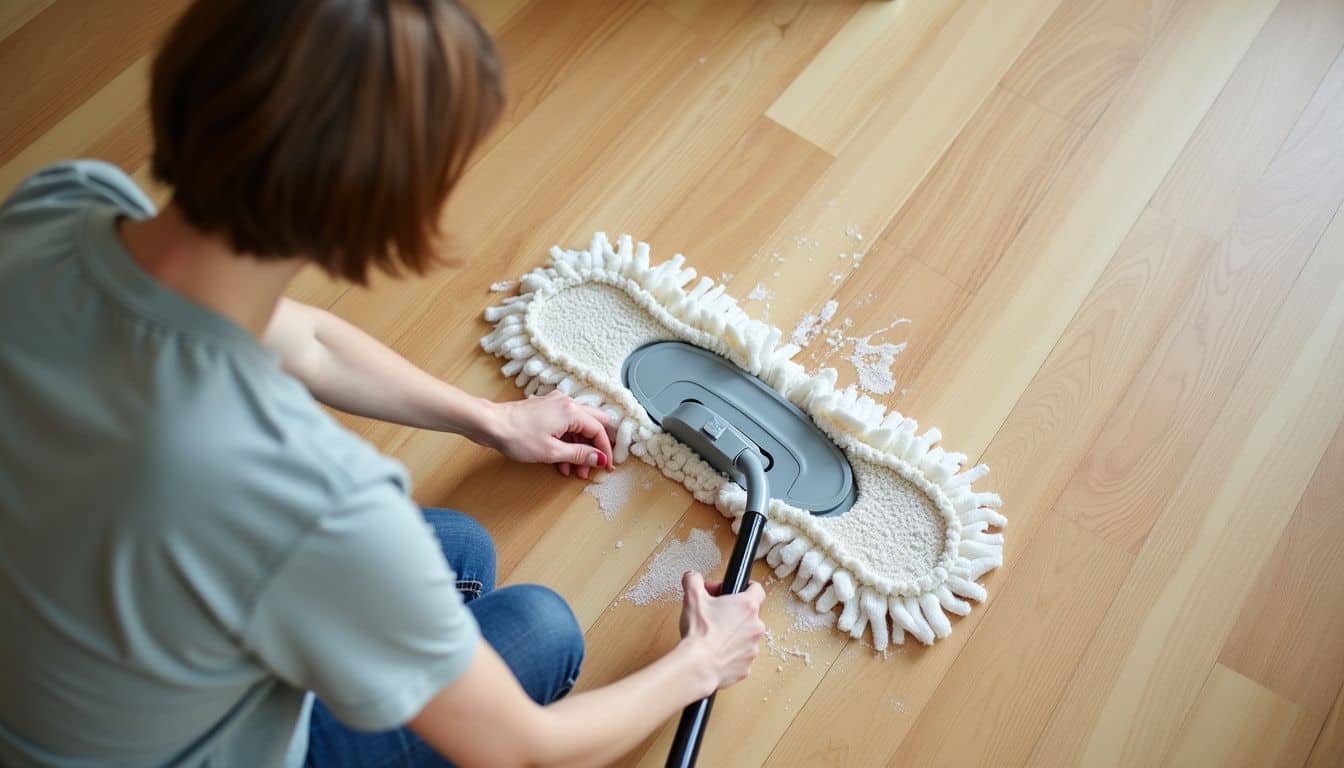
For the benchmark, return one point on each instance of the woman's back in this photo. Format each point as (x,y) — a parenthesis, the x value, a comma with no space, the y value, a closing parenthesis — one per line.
(168,496)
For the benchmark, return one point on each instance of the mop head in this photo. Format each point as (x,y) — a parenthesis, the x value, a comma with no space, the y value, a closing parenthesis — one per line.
(899,561)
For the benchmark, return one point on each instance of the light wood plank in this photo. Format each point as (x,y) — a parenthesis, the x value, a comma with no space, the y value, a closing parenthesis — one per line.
(847,81)
(1235,722)
(494,14)
(766,171)
(981,369)
(119,99)
(1085,53)
(895,287)
(1033,455)
(976,199)
(1328,752)
(15,13)
(541,44)
(1217,528)
(1289,635)
(1254,114)
(105,41)
(1140,455)
(938,92)
(1004,685)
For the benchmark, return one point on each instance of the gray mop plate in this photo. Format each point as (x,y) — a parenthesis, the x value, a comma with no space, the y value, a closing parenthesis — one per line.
(805,469)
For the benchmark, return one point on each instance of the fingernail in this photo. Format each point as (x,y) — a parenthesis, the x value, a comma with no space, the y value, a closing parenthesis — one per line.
(594,459)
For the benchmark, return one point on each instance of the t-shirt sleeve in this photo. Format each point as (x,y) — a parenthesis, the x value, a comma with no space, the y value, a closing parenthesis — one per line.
(365,613)
(75,184)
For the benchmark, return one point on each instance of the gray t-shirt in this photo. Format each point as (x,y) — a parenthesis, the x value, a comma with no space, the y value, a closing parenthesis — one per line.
(188,543)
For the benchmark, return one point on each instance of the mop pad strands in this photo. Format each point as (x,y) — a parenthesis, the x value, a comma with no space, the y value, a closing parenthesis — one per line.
(904,558)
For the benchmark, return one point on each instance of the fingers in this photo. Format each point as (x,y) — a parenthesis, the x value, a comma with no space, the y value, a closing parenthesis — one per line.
(755,593)
(590,425)
(692,583)
(714,587)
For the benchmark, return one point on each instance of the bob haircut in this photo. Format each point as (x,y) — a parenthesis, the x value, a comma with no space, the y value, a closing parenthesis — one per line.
(326,129)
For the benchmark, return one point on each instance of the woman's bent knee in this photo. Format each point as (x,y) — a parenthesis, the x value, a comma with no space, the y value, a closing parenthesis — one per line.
(535,632)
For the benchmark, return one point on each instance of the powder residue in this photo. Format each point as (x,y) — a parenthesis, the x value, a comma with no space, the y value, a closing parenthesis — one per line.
(760,293)
(786,652)
(805,617)
(662,581)
(615,488)
(873,362)
(503,286)
(810,325)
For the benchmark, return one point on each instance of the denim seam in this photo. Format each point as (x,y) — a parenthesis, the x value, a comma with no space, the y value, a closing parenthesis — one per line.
(473,586)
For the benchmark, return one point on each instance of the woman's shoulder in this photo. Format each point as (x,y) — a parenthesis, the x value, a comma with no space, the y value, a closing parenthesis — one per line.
(73,185)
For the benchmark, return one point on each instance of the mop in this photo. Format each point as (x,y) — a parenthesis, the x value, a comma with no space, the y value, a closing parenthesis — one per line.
(897,538)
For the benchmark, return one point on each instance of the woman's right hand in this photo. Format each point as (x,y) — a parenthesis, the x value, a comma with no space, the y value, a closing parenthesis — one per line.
(727,628)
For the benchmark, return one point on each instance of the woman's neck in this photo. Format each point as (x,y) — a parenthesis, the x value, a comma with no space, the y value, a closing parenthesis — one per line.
(206,270)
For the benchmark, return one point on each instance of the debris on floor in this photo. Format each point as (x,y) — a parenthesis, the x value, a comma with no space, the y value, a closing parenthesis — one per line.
(614,489)
(810,325)
(873,362)
(662,581)
(503,286)
(805,617)
(760,293)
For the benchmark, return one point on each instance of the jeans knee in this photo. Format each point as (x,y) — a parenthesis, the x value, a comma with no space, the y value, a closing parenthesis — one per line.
(482,545)
(468,548)
(552,623)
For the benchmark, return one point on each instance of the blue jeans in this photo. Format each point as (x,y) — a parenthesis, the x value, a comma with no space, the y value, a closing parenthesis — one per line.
(529,626)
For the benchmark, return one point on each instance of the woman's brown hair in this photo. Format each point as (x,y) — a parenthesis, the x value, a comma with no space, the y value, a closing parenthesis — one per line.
(330,129)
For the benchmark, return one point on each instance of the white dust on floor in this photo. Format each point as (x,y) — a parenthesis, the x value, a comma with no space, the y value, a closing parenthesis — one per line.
(662,580)
(614,489)
(760,293)
(808,327)
(805,617)
(503,286)
(872,361)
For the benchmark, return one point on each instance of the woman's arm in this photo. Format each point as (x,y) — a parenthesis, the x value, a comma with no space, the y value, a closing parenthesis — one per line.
(485,719)
(350,370)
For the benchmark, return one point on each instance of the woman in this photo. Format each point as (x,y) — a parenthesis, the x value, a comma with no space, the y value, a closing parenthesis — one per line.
(197,565)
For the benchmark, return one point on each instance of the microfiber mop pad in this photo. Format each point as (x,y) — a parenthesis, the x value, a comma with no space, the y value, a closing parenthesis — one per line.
(899,561)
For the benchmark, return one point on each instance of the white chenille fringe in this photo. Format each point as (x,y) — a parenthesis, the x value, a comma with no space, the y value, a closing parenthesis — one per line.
(792,543)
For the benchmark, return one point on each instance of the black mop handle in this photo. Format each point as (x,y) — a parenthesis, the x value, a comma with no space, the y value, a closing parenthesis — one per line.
(694,718)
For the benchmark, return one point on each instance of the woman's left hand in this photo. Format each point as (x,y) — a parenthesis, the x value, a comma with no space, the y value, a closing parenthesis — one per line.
(555,430)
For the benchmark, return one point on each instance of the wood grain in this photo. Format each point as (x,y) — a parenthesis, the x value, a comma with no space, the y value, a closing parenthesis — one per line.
(1000,342)
(1140,455)
(1236,723)
(1214,532)
(1254,114)
(1085,53)
(847,81)
(1039,446)
(1289,635)
(882,165)
(976,199)
(15,13)
(1328,751)
(1005,682)
(119,99)
(105,40)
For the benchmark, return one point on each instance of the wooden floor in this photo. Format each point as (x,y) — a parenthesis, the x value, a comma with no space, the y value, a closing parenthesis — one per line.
(1116,227)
